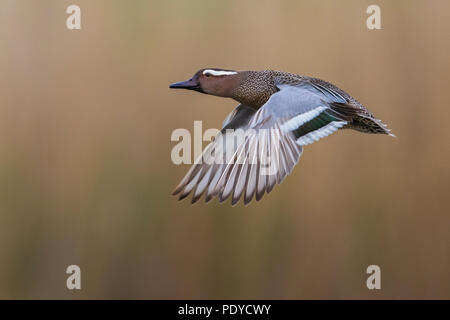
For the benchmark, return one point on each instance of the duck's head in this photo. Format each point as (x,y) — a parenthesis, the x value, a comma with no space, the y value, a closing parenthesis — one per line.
(214,81)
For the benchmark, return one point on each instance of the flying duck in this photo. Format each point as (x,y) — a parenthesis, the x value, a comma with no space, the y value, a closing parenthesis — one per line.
(263,137)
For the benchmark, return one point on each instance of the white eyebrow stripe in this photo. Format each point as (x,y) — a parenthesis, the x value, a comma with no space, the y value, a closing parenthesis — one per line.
(218,72)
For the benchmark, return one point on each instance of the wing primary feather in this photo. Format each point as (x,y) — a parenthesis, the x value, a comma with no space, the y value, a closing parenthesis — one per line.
(217,172)
(253,171)
(274,156)
(241,180)
(283,161)
(201,186)
(192,171)
(235,169)
(188,188)
(262,179)
(187,178)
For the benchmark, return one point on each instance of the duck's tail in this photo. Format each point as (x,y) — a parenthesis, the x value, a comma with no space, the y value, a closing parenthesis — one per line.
(369,125)
(360,119)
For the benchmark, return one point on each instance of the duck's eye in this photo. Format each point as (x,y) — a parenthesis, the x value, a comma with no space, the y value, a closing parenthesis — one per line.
(207,74)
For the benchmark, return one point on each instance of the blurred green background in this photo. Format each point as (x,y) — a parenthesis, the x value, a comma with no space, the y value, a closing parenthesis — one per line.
(86,176)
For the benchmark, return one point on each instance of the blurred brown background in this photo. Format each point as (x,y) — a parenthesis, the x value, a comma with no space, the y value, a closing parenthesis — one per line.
(86,176)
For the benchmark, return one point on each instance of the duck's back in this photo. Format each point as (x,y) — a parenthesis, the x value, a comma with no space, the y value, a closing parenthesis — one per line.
(362,119)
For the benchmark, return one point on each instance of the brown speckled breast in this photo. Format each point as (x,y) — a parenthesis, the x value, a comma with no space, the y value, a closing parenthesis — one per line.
(255,88)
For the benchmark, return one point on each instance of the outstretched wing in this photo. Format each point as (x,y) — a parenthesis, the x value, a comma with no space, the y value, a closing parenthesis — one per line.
(257,149)
(237,163)
(201,175)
